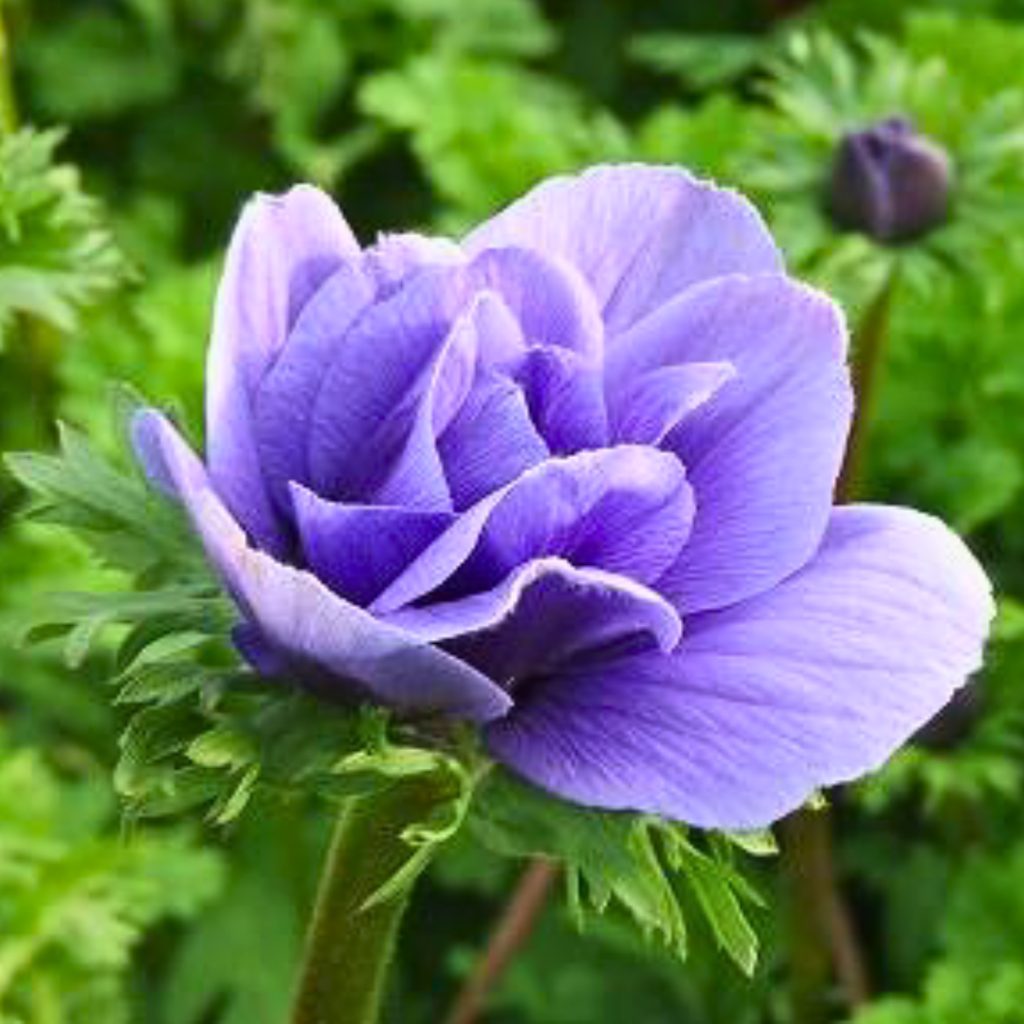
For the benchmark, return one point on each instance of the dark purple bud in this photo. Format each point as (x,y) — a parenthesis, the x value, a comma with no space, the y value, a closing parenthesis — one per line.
(889,182)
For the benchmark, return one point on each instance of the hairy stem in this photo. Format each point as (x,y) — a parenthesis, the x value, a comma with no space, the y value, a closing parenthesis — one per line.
(511,931)
(350,947)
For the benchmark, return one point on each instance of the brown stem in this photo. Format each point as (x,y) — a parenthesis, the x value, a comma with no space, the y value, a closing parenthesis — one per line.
(822,936)
(510,933)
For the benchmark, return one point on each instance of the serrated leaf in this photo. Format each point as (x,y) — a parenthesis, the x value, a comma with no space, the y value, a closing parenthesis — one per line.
(632,860)
(80,617)
(613,853)
(208,619)
(163,682)
(77,896)
(174,791)
(718,890)
(114,512)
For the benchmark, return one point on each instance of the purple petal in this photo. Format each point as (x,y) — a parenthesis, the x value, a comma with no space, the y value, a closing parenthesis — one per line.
(546,613)
(283,248)
(490,442)
(764,452)
(254,649)
(640,235)
(393,258)
(324,641)
(284,401)
(566,399)
(652,404)
(624,510)
(384,358)
(357,550)
(550,301)
(409,464)
(811,684)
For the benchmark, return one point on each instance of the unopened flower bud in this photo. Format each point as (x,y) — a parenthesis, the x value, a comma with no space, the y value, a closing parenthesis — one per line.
(889,182)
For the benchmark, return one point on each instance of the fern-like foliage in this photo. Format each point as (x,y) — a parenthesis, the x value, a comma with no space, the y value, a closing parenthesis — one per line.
(76,896)
(633,862)
(56,255)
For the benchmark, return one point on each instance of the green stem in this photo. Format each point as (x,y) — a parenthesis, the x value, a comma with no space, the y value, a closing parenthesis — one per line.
(350,947)
(8,109)
(870,341)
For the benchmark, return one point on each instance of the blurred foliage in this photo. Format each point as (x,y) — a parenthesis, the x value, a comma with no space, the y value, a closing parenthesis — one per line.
(74,898)
(146,122)
(545,125)
(57,254)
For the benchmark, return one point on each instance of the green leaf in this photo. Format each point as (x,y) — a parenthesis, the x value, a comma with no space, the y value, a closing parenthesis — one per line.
(701,61)
(635,861)
(720,891)
(113,511)
(546,126)
(237,961)
(95,64)
(381,762)
(150,737)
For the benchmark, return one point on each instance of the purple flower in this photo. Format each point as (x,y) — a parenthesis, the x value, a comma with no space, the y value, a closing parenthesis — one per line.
(889,182)
(570,478)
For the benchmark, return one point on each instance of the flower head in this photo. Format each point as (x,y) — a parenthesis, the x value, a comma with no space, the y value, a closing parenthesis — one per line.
(889,182)
(569,478)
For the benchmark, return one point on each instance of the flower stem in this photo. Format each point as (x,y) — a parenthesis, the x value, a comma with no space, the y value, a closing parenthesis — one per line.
(510,933)
(870,342)
(822,936)
(350,947)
